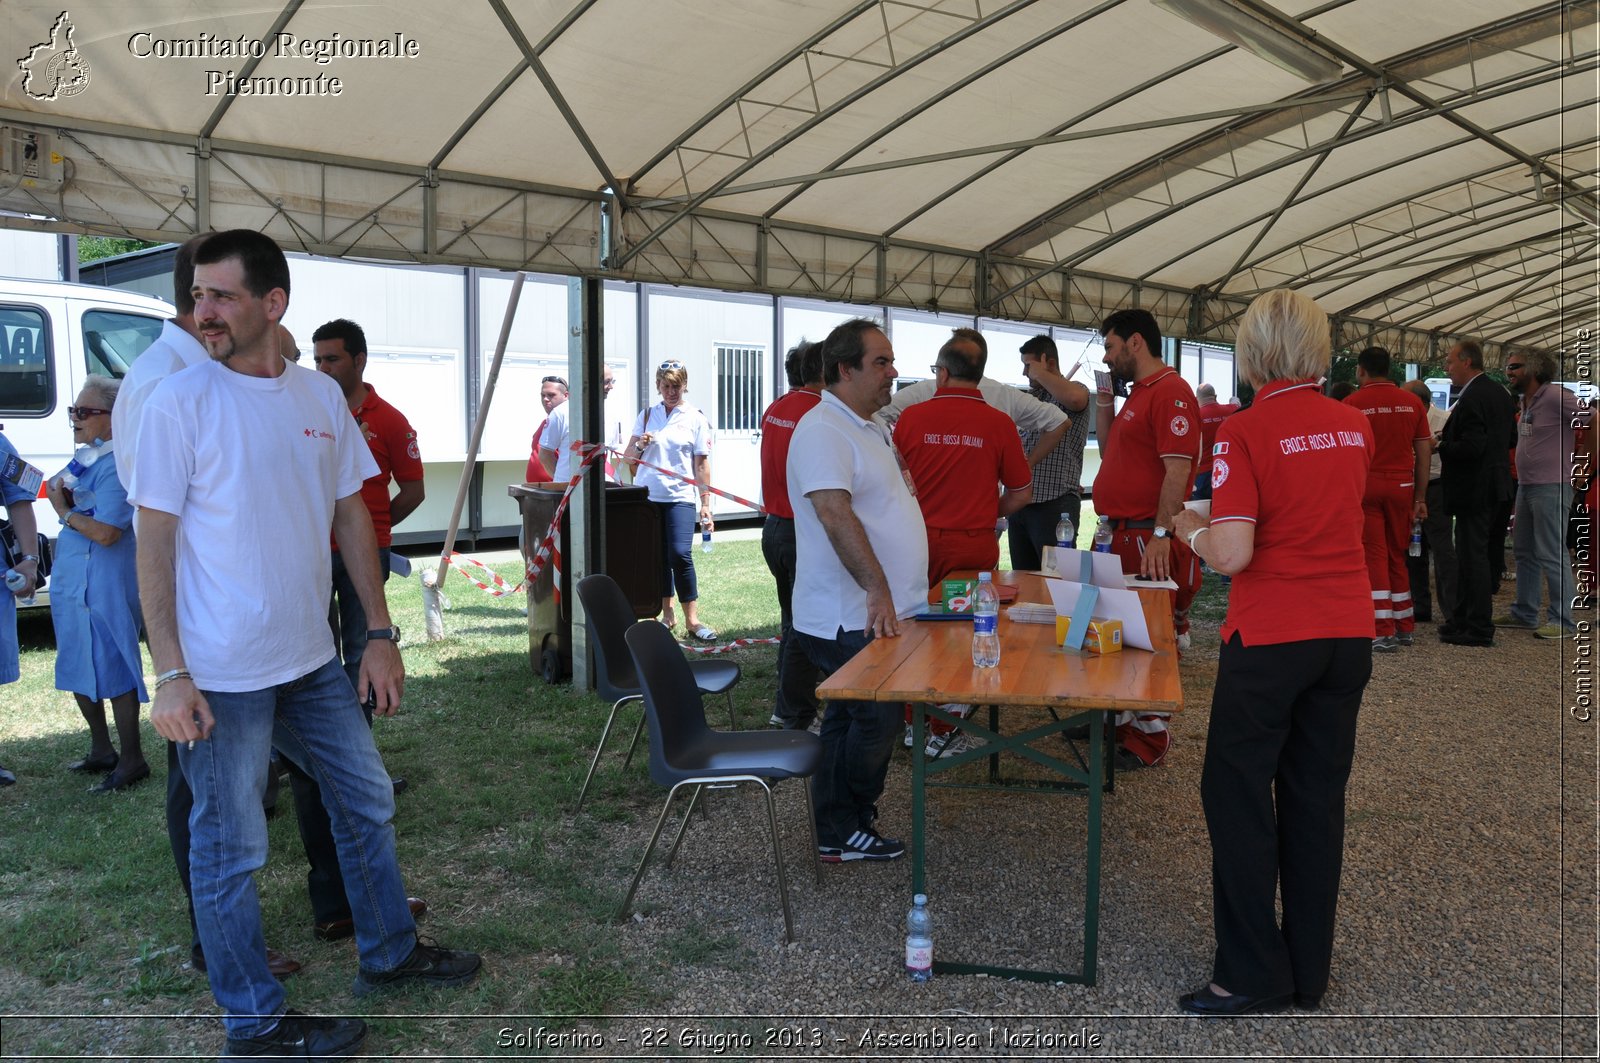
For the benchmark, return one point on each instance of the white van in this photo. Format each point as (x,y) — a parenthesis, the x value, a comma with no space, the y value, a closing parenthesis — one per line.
(52,335)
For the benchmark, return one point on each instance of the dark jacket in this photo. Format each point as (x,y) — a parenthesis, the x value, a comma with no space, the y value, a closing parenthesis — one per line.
(1475,448)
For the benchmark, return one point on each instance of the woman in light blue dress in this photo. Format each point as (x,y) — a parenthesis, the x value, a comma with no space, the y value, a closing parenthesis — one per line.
(94,596)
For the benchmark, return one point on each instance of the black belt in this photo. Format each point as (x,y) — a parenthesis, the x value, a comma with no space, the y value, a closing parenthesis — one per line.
(1119,525)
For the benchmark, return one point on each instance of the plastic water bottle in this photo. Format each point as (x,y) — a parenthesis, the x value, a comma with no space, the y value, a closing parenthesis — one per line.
(1415,549)
(1066,534)
(705,538)
(1102,536)
(985,623)
(15,581)
(919,940)
(82,459)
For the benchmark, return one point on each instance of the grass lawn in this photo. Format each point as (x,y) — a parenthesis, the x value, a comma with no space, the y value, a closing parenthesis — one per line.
(94,920)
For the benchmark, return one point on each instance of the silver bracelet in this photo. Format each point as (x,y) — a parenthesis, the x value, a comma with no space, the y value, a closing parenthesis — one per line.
(170,676)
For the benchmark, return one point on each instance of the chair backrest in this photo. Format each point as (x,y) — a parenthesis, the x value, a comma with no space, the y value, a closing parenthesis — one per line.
(607,616)
(672,700)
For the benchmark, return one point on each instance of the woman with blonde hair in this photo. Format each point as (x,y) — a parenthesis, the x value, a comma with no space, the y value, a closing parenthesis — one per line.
(674,435)
(1288,474)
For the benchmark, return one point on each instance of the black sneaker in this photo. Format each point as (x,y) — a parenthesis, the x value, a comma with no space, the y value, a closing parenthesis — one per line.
(303,1036)
(427,964)
(863,845)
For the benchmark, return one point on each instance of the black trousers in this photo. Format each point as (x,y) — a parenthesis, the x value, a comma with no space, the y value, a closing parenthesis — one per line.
(1282,738)
(796,702)
(1473,614)
(1033,527)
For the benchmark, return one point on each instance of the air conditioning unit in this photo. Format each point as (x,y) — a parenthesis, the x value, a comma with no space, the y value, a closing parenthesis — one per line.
(28,159)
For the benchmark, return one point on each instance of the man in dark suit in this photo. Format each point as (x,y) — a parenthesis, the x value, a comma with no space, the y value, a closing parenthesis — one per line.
(1474,450)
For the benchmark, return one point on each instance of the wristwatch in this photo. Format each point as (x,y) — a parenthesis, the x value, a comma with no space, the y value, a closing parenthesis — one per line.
(1160,533)
(390,633)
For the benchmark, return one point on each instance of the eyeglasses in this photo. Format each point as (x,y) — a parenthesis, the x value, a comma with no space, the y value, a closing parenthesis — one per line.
(83,413)
(934,368)
(670,363)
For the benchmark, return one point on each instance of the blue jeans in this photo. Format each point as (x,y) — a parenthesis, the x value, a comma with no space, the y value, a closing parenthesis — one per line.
(315,722)
(1540,546)
(677,549)
(346,617)
(857,739)
(796,701)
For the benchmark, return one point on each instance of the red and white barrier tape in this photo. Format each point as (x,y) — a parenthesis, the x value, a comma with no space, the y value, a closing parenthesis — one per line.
(736,644)
(496,587)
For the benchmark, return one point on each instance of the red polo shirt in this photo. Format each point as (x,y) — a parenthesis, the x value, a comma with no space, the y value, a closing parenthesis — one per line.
(957,447)
(777,429)
(1398,419)
(1295,464)
(1212,414)
(1159,420)
(394,447)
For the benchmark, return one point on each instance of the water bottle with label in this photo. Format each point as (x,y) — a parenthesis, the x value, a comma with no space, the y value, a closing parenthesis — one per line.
(1102,536)
(1066,534)
(985,623)
(1415,549)
(705,538)
(919,940)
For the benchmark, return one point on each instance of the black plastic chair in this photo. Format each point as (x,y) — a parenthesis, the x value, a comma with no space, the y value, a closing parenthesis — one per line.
(685,751)
(609,614)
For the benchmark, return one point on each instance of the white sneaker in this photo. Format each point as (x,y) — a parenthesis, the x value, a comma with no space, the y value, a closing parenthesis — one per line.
(1183,642)
(958,710)
(909,738)
(948,745)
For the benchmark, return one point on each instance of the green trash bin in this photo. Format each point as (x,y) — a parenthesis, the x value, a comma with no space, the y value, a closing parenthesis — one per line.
(633,559)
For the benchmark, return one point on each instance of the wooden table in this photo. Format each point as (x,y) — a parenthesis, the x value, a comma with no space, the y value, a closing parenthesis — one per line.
(931,663)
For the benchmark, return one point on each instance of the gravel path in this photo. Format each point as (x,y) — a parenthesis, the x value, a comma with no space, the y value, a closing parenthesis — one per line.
(1470,852)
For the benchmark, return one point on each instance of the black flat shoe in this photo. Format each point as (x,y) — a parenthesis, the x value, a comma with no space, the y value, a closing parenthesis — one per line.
(95,765)
(1307,1003)
(114,782)
(1205,1002)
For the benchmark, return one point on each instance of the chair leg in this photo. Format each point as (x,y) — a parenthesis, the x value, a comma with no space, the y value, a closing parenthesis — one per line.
(733,722)
(637,731)
(638,876)
(683,828)
(811,821)
(600,748)
(777,863)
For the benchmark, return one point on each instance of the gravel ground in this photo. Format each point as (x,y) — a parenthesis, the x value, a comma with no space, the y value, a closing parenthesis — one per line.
(1467,923)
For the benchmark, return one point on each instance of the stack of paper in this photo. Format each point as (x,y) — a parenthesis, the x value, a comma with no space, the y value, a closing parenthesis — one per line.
(1032,613)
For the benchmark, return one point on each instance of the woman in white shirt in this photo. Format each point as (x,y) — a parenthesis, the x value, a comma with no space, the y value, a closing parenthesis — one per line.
(674,435)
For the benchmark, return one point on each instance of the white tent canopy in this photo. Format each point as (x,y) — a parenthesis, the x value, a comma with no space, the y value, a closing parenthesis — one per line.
(1047,160)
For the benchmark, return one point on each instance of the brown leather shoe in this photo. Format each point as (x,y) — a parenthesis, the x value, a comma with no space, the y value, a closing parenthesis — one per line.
(280,965)
(339,929)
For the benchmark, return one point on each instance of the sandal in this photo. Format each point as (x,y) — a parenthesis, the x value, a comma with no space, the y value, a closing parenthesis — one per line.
(705,634)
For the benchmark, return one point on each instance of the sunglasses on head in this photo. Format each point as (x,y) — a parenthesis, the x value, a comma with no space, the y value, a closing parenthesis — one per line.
(553,380)
(83,413)
(670,363)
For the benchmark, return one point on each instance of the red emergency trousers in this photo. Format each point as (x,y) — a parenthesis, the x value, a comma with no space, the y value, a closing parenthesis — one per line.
(1145,734)
(1386,534)
(950,550)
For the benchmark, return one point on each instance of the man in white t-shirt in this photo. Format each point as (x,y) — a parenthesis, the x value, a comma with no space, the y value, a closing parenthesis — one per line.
(861,567)
(255,460)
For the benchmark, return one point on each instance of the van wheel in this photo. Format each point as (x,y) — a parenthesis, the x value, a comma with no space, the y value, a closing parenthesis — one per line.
(550,666)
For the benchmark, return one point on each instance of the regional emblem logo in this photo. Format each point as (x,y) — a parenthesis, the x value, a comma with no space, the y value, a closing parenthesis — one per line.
(55,69)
